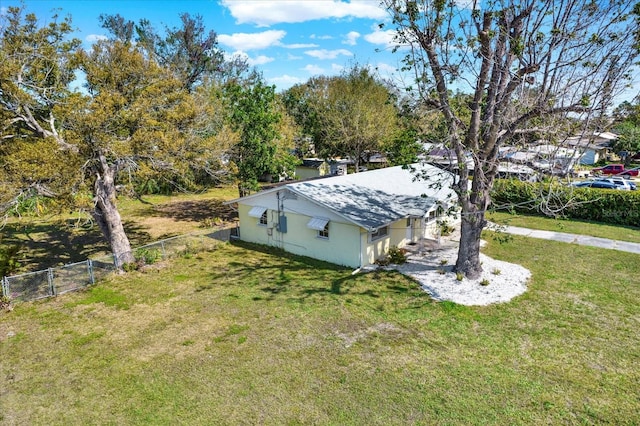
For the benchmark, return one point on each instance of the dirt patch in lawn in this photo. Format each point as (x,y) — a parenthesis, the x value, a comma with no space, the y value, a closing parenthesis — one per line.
(196,211)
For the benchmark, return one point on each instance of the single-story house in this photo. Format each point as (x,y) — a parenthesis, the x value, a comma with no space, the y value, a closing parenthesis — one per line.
(349,220)
(594,147)
(315,167)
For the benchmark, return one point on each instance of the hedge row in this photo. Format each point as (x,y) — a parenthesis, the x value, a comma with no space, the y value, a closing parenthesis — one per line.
(600,205)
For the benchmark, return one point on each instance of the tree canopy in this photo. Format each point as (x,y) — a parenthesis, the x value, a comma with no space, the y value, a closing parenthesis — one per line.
(517,61)
(136,114)
(352,115)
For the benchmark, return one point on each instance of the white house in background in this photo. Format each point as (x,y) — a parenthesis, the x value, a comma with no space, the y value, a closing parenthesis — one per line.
(315,167)
(349,220)
(593,148)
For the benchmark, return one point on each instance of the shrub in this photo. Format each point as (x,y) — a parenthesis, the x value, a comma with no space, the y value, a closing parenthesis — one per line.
(397,255)
(485,282)
(146,256)
(445,228)
(599,205)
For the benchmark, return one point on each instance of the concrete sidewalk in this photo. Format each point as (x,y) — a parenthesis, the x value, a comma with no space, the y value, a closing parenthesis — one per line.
(583,240)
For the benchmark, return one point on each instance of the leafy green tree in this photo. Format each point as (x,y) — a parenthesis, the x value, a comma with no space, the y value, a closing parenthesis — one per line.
(577,55)
(300,103)
(628,140)
(627,126)
(37,65)
(352,115)
(189,51)
(134,116)
(254,112)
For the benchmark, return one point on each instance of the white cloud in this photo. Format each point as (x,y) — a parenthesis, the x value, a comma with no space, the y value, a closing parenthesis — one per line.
(244,41)
(285,81)
(92,38)
(313,69)
(386,68)
(293,57)
(351,38)
(300,46)
(328,54)
(265,13)
(337,68)
(381,37)
(323,37)
(259,60)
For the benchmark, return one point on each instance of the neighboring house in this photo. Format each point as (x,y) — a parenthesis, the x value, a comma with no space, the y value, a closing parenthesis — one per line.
(543,157)
(314,167)
(349,220)
(593,148)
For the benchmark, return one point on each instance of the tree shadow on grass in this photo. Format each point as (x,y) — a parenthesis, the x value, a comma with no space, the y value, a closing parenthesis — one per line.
(195,211)
(49,244)
(300,278)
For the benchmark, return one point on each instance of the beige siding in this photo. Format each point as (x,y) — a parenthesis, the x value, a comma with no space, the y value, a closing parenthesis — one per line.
(342,247)
(397,236)
(348,244)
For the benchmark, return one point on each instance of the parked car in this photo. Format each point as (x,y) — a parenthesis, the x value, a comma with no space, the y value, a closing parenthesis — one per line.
(621,182)
(615,169)
(600,184)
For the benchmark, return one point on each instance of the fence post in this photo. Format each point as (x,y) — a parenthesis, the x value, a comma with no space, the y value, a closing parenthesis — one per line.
(52,287)
(164,253)
(5,287)
(90,268)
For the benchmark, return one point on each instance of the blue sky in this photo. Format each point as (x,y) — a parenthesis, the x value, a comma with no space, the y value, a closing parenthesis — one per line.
(288,40)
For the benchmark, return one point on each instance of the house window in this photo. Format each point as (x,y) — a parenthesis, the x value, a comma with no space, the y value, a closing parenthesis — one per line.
(263,219)
(379,233)
(320,225)
(408,222)
(324,232)
(434,214)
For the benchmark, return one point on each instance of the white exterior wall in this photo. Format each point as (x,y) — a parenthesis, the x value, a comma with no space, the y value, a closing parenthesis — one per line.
(589,157)
(348,244)
(399,235)
(342,247)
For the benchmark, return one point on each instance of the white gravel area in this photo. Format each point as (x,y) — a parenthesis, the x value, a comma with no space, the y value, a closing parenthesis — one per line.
(505,280)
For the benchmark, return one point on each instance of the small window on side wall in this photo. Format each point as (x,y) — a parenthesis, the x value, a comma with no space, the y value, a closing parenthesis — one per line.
(263,219)
(379,233)
(324,233)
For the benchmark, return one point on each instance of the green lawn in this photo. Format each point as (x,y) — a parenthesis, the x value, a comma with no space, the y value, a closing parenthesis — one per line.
(594,229)
(55,239)
(244,335)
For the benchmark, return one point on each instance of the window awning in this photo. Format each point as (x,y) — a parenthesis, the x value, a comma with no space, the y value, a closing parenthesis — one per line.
(317,223)
(257,211)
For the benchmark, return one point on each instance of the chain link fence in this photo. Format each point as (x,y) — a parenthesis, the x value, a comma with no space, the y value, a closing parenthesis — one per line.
(54,281)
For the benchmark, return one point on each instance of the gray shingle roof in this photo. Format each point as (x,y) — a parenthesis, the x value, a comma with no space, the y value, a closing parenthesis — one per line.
(378,197)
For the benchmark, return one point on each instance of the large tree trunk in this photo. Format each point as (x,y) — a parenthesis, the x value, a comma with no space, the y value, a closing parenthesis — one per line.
(106,214)
(468,262)
(474,203)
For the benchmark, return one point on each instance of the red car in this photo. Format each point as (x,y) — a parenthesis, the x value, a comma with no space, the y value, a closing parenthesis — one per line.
(615,169)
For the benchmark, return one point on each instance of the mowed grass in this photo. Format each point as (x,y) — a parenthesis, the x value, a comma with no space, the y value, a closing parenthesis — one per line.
(594,229)
(60,238)
(246,335)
